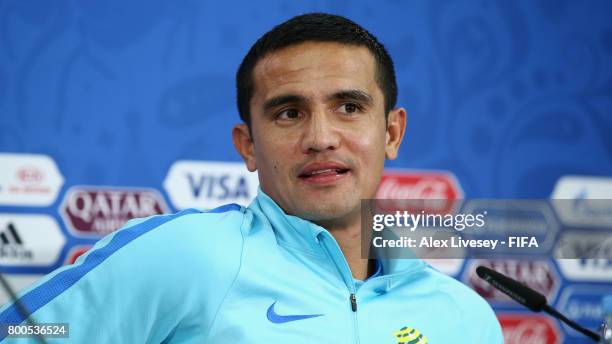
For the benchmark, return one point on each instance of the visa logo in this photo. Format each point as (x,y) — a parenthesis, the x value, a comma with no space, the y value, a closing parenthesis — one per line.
(601,263)
(218,187)
(210,184)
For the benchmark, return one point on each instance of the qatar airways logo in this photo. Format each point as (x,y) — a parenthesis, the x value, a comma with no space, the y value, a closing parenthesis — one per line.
(92,211)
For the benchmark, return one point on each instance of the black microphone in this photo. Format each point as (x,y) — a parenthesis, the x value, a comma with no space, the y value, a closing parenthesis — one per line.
(528,297)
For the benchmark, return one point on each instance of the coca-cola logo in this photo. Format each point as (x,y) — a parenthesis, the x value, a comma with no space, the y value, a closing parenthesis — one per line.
(537,274)
(92,211)
(529,329)
(431,192)
(30,175)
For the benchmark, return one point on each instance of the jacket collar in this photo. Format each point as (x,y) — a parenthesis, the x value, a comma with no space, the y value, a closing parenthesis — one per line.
(305,235)
(291,230)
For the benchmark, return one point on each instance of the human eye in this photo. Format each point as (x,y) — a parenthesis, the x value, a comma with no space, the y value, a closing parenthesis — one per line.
(350,108)
(287,115)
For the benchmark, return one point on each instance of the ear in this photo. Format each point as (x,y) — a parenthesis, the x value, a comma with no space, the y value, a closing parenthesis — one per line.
(396,128)
(241,137)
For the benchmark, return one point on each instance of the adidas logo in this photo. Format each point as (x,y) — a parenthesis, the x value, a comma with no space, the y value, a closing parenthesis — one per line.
(11,244)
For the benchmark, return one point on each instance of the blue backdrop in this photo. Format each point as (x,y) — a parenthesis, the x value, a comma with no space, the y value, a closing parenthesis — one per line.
(507,95)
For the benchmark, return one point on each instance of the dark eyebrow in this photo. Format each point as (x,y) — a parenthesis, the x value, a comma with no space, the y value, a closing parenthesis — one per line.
(355,95)
(281,100)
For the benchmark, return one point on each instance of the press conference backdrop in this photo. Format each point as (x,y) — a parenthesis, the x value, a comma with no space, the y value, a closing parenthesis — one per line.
(113,109)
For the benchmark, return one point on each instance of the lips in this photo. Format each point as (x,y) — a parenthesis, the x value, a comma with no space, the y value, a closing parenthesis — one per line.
(323,171)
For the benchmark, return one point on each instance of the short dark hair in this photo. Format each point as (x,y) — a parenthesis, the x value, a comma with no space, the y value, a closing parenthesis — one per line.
(317,27)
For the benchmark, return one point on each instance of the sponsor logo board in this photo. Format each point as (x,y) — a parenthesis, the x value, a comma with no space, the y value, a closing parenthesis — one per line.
(29,240)
(585,187)
(28,180)
(584,201)
(537,274)
(207,184)
(583,304)
(510,219)
(529,329)
(593,250)
(431,191)
(98,211)
(417,184)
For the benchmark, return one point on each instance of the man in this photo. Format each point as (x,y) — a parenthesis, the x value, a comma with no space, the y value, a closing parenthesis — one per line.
(317,95)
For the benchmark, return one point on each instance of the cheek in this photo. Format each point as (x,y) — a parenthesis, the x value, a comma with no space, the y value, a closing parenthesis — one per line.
(369,148)
(272,157)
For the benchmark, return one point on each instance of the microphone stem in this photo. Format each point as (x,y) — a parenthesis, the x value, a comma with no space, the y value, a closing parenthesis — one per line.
(570,323)
(20,307)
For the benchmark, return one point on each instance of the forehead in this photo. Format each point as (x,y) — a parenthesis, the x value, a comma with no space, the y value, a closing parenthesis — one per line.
(314,68)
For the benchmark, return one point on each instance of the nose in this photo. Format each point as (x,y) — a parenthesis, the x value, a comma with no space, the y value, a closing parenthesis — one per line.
(320,134)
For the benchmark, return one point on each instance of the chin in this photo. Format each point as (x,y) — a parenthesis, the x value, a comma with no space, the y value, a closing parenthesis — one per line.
(326,211)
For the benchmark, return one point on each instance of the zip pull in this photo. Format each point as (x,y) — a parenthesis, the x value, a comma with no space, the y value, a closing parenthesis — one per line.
(353,302)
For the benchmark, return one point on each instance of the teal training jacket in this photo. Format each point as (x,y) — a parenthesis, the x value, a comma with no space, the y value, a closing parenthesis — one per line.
(247,275)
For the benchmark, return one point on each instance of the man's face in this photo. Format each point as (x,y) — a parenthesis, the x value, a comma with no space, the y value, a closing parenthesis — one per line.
(319,137)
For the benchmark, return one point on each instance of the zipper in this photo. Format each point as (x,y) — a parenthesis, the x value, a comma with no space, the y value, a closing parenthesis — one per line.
(331,247)
(353,298)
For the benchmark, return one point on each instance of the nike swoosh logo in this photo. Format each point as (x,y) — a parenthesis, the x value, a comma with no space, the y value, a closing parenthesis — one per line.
(280,319)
